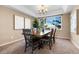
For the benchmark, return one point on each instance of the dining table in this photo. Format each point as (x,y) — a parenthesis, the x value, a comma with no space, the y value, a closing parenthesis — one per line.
(40,35)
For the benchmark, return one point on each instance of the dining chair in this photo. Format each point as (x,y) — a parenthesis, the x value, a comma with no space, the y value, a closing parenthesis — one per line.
(54,36)
(48,39)
(26,33)
(30,40)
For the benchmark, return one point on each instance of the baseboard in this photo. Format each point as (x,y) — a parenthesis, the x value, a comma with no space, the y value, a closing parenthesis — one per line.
(75,44)
(62,38)
(11,42)
(22,38)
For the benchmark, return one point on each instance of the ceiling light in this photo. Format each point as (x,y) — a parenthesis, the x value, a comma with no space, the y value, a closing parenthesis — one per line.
(42,9)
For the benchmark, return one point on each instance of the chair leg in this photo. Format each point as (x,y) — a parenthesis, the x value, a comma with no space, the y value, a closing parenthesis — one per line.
(32,49)
(25,47)
(41,44)
(25,50)
(50,45)
(54,40)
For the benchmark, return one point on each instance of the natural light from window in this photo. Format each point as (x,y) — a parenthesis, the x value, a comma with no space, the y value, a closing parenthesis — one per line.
(54,20)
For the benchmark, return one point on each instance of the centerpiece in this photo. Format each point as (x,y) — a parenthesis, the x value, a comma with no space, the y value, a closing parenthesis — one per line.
(35,26)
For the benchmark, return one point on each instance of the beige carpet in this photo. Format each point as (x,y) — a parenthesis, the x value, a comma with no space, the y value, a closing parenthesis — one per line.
(61,46)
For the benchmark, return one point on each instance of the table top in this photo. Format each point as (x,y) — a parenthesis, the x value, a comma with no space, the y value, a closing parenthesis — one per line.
(45,32)
(42,33)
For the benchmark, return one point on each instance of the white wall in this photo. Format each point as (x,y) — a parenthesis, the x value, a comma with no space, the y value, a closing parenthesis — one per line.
(74,35)
(65,31)
(7,32)
(73,21)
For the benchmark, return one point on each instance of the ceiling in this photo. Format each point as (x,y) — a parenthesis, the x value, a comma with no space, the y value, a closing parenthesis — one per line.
(33,9)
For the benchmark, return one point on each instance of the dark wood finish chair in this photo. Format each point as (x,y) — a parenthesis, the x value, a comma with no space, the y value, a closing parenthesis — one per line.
(48,39)
(26,33)
(54,36)
(30,40)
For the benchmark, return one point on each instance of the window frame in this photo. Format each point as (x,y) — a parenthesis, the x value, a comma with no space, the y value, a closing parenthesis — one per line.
(61,20)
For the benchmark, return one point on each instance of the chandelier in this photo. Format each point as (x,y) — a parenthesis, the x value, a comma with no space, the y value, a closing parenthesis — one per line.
(42,9)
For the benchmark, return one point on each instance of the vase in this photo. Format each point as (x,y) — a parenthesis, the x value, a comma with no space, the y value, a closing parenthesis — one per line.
(34,31)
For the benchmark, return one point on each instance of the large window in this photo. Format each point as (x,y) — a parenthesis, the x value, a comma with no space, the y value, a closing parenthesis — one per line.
(22,22)
(54,20)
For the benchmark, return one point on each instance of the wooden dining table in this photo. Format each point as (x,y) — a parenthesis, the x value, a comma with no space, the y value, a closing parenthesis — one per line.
(38,36)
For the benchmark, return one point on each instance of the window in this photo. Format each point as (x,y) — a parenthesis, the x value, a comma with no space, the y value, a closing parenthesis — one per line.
(54,20)
(19,22)
(22,22)
(27,23)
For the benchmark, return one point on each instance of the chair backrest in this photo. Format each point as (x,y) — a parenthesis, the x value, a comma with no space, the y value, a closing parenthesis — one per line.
(54,33)
(51,33)
(27,34)
(26,31)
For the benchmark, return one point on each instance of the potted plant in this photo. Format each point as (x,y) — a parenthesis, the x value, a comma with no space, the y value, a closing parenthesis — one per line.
(35,25)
